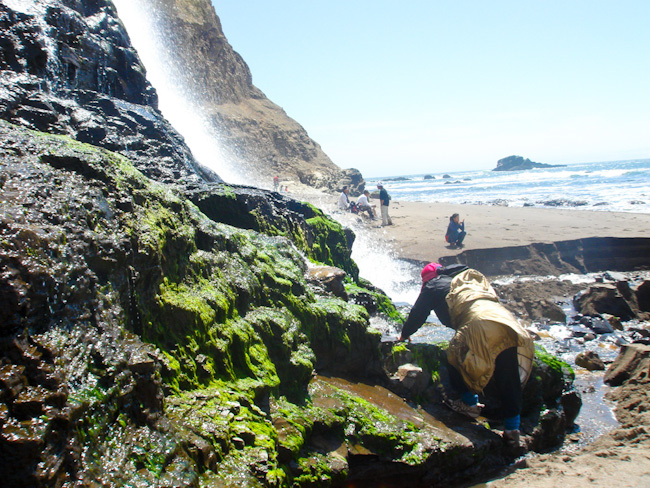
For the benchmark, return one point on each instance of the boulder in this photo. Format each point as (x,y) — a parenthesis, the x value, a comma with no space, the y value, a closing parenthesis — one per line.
(643,296)
(330,278)
(603,298)
(590,360)
(412,379)
(627,364)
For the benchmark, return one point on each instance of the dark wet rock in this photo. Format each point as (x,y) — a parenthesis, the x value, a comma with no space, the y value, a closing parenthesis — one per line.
(640,336)
(105,287)
(73,72)
(604,298)
(581,331)
(277,215)
(597,324)
(563,202)
(571,404)
(577,256)
(429,177)
(412,379)
(590,360)
(518,163)
(446,176)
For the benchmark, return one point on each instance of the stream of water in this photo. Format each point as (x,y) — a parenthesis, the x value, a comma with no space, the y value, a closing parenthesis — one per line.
(175,101)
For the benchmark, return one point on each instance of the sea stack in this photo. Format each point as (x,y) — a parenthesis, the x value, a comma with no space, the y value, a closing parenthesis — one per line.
(518,163)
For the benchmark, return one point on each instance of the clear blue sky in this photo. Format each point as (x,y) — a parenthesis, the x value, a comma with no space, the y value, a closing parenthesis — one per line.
(427,86)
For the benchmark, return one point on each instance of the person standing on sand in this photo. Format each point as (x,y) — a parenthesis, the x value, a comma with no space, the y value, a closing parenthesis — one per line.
(276,182)
(384,198)
(489,345)
(455,231)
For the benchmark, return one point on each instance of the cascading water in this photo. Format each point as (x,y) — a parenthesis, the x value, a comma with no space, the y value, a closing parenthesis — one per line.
(376,260)
(174,100)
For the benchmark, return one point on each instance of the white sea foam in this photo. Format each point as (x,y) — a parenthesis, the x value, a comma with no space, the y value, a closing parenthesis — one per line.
(610,186)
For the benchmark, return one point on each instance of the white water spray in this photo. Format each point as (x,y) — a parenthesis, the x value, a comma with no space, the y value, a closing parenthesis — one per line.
(377,261)
(175,103)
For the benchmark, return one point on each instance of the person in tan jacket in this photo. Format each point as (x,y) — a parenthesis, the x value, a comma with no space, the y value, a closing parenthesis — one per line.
(489,343)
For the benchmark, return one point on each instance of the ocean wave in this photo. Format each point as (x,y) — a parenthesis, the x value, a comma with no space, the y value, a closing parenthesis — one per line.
(617,186)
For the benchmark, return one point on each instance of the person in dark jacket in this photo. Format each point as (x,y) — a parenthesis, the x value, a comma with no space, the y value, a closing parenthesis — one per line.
(384,199)
(489,344)
(456,231)
(436,282)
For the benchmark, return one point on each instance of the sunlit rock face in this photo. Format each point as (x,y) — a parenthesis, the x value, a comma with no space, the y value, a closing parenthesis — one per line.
(254,132)
(68,68)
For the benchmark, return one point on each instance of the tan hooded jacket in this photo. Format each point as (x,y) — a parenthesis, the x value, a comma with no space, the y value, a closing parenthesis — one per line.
(484,329)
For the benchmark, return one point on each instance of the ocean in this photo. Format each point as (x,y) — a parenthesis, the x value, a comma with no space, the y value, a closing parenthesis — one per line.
(620,186)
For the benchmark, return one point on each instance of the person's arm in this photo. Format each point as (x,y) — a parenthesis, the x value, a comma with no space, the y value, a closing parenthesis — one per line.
(418,314)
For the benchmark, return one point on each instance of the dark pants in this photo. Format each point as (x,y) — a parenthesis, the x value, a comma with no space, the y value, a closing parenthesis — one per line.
(459,238)
(505,381)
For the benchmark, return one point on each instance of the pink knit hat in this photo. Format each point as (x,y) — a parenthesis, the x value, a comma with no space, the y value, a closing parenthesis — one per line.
(430,271)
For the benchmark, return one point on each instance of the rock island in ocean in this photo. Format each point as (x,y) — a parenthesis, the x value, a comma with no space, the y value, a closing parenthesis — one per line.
(518,163)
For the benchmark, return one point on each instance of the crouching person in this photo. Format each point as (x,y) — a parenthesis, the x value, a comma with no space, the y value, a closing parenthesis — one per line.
(363,205)
(489,345)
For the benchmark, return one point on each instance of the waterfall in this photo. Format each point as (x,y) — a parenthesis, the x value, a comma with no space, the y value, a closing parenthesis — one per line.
(175,103)
(377,262)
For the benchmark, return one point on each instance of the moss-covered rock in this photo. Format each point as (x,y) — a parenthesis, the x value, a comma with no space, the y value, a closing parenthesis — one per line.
(142,301)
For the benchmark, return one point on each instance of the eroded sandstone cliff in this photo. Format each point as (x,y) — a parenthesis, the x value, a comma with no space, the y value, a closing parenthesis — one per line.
(254,133)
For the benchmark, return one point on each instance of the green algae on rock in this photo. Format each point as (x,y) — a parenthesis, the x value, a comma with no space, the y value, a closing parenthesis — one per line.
(140,300)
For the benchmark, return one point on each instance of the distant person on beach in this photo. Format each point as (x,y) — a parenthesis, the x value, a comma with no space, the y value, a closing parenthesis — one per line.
(384,199)
(344,200)
(363,205)
(489,345)
(455,231)
(276,183)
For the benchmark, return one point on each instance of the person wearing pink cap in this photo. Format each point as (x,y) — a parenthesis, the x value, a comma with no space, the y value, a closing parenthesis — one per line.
(489,345)
(436,282)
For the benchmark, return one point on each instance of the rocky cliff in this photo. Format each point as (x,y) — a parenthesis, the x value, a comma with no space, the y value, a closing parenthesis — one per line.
(69,68)
(518,163)
(254,133)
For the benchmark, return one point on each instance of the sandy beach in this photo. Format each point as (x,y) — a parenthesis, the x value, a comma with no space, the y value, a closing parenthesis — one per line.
(419,228)
(618,458)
